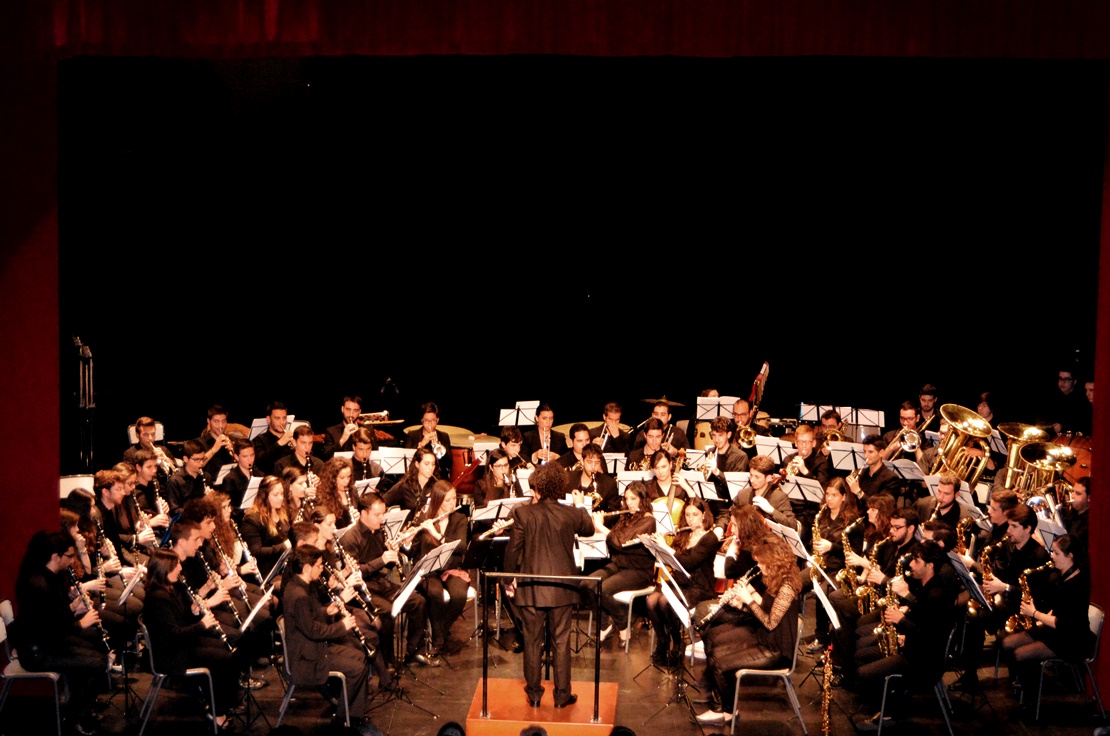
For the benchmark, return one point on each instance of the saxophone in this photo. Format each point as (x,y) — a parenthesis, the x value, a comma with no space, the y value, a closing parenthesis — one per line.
(847,578)
(818,558)
(987,571)
(962,529)
(1018,622)
(888,633)
(867,594)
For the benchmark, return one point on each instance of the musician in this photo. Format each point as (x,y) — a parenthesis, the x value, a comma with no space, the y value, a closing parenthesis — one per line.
(335,491)
(668,489)
(266,525)
(695,547)
(511,443)
(927,457)
(302,455)
(943,506)
(217,445)
(148,486)
(926,404)
(111,490)
(1075,517)
(806,462)
(184,636)
(925,625)
(763,493)
(743,417)
(673,439)
(593,478)
(362,444)
(366,543)
(725,458)
(579,438)
(616,439)
(495,483)
(541,543)
(300,497)
(831,422)
(875,477)
(837,512)
(318,638)
(238,478)
(54,635)
(275,443)
(768,642)
(640,458)
(411,492)
(341,437)
(1059,616)
(908,418)
(542,445)
(1022,553)
(901,535)
(190,480)
(428,436)
(227,535)
(630,562)
(146,429)
(1067,410)
(434,532)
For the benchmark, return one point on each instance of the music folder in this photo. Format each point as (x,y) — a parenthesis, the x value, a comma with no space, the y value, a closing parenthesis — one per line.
(276,569)
(969,581)
(502,508)
(707,489)
(906,469)
(773,448)
(393,522)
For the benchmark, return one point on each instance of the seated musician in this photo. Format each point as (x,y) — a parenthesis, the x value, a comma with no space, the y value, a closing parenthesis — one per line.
(927,457)
(763,493)
(146,429)
(908,419)
(1075,517)
(592,479)
(579,438)
(113,516)
(640,458)
(319,637)
(695,547)
(362,444)
(443,524)
(673,440)
(806,462)
(335,491)
(428,436)
(411,492)
(232,545)
(1057,617)
(301,456)
(744,419)
(341,437)
(769,639)
(668,489)
(148,489)
(366,543)
(542,444)
(276,442)
(630,563)
(184,635)
(217,445)
(511,443)
(300,497)
(266,525)
(238,478)
(190,481)
(927,405)
(54,634)
(838,511)
(723,457)
(496,483)
(875,477)
(609,437)
(943,506)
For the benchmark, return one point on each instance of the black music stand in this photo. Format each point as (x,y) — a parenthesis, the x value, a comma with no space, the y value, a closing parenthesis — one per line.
(486,555)
(130,697)
(678,673)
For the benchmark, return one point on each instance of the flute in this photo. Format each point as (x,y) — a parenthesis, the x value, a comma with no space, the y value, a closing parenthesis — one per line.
(495,530)
(618,513)
(204,610)
(409,534)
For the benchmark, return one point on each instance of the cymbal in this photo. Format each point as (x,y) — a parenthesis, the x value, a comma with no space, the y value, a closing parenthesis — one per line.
(663,400)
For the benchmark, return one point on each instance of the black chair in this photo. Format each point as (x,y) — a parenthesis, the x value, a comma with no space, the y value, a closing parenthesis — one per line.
(293,686)
(159,678)
(1095,617)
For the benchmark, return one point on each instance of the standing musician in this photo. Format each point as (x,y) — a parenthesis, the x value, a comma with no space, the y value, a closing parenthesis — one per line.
(146,429)
(266,525)
(640,458)
(362,444)
(217,445)
(428,436)
(579,438)
(54,634)
(494,483)
(943,506)
(411,492)
(451,581)
(769,639)
(511,443)
(592,479)
(673,439)
(875,477)
(541,543)
(302,456)
(630,562)
(190,480)
(668,489)
(335,491)
(300,497)
(319,639)
(366,542)
(341,437)
(185,635)
(695,547)
(274,443)
(763,493)
(238,478)
(542,445)
(837,512)
(609,437)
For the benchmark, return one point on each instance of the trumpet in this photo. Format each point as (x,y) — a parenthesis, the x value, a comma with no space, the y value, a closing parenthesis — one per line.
(604,436)
(164,463)
(710,463)
(204,610)
(496,530)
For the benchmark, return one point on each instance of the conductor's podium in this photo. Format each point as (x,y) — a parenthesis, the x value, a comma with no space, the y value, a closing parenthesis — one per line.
(509,711)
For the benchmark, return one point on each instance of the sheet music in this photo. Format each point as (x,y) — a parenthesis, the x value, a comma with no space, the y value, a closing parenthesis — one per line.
(905,469)
(250,493)
(224,470)
(394,460)
(846,455)
(615,462)
(709,408)
(773,448)
(736,482)
(803,488)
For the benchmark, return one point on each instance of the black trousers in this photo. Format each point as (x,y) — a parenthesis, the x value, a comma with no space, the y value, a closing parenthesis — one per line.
(556,623)
(416,610)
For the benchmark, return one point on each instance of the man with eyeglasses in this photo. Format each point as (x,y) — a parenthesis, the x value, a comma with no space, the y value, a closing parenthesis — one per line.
(190,480)
(1068,410)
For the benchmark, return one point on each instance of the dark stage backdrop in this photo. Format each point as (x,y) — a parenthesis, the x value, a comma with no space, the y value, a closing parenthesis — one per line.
(476,230)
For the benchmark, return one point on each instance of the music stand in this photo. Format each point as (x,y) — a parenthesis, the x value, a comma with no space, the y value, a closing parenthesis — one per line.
(803,488)
(706,489)
(737,482)
(224,470)
(393,522)
(773,448)
(249,494)
(672,593)
(1050,531)
(276,569)
(846,455)
(587,548)
(485,555)
(628,476)
(522,415)
(907,470)
(394,460)
(709,408)
(615,462)
(130,697)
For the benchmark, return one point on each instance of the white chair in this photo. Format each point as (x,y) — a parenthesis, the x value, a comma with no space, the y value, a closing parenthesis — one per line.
(133,436)
(1095,618)
(70,483)
(293,686)
(159,678)
(783,674)
(13,671)
(629,597)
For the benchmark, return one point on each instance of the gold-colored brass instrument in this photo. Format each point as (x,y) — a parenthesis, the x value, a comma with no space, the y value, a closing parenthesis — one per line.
(987,571)
(867,594)
(1018,622)
(745,436)
(1043,460)
(641,466)
(967,431)
(576,466)
(888,633)
(848,578)
(832,435)
(818,558)
(1017,436)
(710,463)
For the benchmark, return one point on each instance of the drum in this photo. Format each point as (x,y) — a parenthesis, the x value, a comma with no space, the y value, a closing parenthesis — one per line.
(702,440)
(1081,446)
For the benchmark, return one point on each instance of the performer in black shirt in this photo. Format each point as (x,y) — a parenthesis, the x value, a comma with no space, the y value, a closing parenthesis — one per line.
(673,439)
(217,445)
(609,437)
(188,482)
(238,478)
(341,437)
(592,479)
(542,445)
(429,436)
(875,477)
(362,444)
(275,443)
(411,492)
(302,453)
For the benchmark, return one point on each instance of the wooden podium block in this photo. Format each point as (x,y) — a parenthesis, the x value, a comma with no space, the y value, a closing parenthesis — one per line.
(509,711)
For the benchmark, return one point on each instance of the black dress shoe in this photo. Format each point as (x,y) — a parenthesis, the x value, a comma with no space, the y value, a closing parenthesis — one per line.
(570,701)
(533,703)
(425,660)
(518,645)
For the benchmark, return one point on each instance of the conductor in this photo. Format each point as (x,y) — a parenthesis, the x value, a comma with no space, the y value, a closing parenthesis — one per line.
(542,543)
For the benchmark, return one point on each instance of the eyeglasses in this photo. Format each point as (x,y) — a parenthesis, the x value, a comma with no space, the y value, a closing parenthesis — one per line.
(896,527)
(501,465)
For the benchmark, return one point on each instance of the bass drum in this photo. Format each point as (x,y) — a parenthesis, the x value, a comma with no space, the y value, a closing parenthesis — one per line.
(1081,446)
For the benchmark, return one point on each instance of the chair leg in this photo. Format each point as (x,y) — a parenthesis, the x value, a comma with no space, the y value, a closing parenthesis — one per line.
(346,703)
(1094,686)
(942,697)
(57,708)
(285,703)
(4,693)
(628,627)
(151,699)
(212,703)
(794,702)
(1040,690)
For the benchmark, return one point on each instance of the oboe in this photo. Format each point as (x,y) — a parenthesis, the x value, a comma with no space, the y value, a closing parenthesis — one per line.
(337,599)
(89,606)
(204,610)
(216,581)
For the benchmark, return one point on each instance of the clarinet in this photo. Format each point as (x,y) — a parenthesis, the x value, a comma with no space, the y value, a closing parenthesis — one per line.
(338,601)
(351,566)
(246,550)
(728,595)
(231,568)
(89,606)
(101,540)
(216,579)
(204,610)
(143,519)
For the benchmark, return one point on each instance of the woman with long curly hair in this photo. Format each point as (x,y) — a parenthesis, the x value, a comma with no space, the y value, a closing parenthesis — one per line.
(335,491)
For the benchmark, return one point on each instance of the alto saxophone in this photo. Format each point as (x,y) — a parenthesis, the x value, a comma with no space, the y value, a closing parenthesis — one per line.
(987,572)
(867,594)
(888,633)
(1018,622)
(818,558)
(847,578)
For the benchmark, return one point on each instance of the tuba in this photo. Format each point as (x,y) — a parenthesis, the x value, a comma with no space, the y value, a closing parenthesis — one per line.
(966,431)
(1042,460)
(1017,436)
